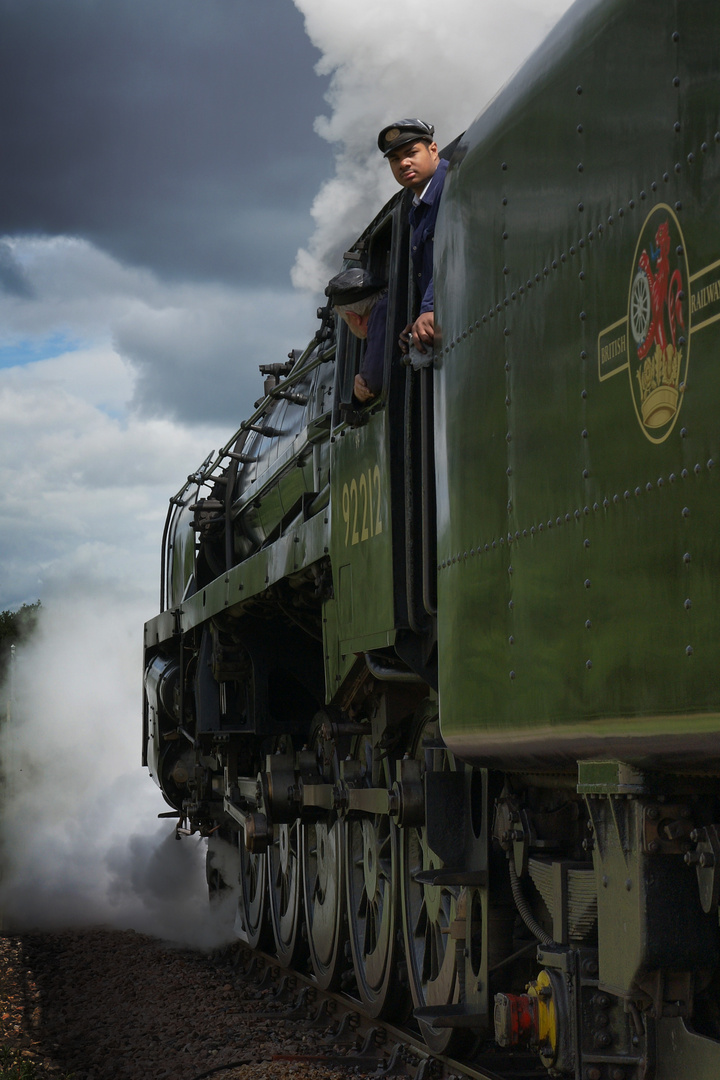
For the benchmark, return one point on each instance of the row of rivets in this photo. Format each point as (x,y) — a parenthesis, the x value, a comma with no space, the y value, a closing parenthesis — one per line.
(520,291)
(575,515)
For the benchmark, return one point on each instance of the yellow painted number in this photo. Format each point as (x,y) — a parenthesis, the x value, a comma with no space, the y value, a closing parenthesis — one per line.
(362,499)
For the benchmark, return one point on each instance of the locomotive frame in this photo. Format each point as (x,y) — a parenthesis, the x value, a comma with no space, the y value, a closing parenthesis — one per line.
(442,671)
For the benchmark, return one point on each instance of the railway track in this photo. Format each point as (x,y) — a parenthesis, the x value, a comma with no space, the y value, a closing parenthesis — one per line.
(345,1037)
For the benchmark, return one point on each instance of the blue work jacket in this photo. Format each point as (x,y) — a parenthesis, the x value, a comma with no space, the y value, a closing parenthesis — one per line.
(422,221)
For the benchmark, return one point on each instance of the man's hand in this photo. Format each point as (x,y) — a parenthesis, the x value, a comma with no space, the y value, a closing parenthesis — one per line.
(361,390)
(423,331)
(404,339)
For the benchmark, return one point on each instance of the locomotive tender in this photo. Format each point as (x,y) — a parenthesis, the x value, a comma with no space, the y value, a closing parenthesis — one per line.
(444,670)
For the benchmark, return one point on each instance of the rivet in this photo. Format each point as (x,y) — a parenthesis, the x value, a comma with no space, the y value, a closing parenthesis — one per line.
(577,515)
(580,166)
(558,520)
(587,583)
(672,478)
(588,624)
(626,494)
(616,499)
(628,884)
(710,463)
(660,482)
(572,249)
(505,236)
(643,195)
(691,158)
(581,207)
(511,640)
(687,558)
(506,332)
(653,186)
(563,257)
(487,547)
(494,544)
(586,543)
(678,166)
(696,470)
(504,166)
(540,527)
(648,486)
(683,474)
(579,129)
(532,530)
(583,395)
(688,650)
(591,235)
(567,517)
(584,433)
(578,89)
(688,604)
(585,473)
(611,220)
(588,664)
(511,604)
(676,81)
(621,212)
(581,275)
(508,437)
(666,177)
(676,37)
(703,147)
(583,316)
(637,490)
(676,125)
(606,502)
(631,204)
(504,202)
(512,674)
(685,512)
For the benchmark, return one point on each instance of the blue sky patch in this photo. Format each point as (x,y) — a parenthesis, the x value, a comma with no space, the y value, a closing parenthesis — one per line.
(30,350)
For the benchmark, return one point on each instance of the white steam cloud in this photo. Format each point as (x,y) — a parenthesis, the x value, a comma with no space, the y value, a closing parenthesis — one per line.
(390,59)
(80,841)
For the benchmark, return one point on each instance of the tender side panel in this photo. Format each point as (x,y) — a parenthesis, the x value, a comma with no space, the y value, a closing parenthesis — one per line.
(577,399)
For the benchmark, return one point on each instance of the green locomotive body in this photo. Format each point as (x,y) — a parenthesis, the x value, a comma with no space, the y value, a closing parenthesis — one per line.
(441,670)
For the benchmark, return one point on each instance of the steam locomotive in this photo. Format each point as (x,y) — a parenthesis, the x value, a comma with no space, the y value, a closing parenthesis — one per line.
(442,671)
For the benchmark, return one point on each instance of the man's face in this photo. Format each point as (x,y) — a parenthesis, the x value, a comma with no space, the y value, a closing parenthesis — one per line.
(414,164)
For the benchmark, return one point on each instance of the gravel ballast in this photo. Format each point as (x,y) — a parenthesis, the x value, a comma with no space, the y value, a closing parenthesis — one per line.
(95,1004)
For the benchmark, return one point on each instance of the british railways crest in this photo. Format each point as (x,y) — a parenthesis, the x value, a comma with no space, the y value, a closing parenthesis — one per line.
(665,305)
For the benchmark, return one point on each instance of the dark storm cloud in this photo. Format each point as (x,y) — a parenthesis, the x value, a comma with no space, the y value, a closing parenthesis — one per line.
(174,134)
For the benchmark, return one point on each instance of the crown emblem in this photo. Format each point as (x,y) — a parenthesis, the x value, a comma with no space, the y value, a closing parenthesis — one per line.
(657,321)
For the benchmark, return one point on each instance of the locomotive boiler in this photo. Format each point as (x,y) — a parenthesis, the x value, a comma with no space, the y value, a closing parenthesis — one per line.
(443,670)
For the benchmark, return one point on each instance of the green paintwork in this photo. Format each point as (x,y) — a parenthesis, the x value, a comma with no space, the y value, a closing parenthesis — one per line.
(362,614)
(571,537)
